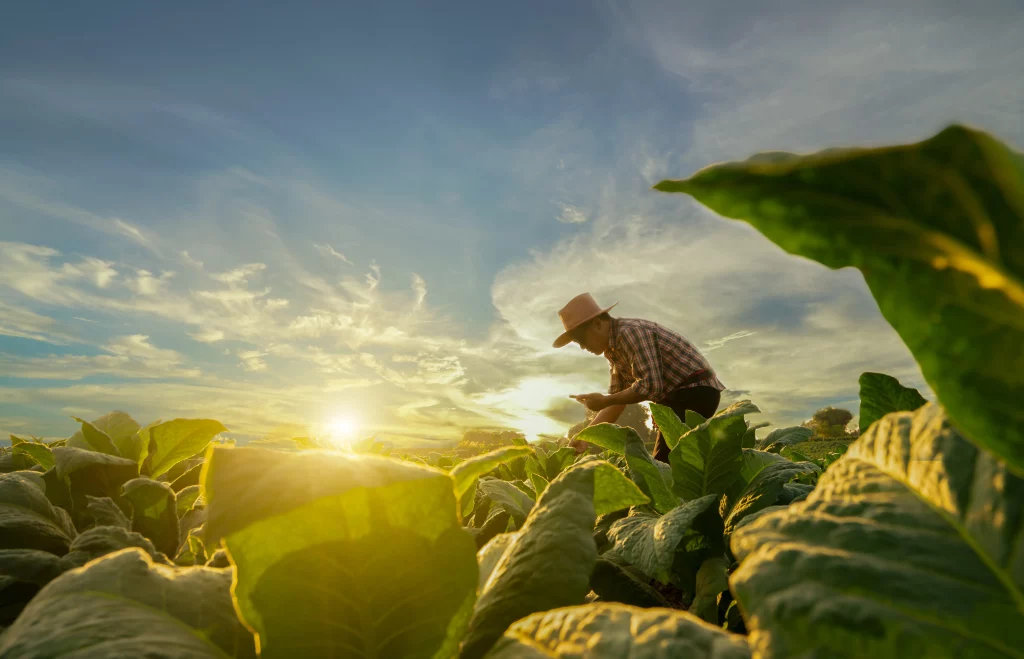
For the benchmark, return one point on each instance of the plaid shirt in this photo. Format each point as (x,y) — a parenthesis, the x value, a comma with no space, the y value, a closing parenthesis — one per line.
(653,357)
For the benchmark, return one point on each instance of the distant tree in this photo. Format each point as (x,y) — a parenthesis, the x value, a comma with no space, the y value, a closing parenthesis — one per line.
(480,440)
(830,422)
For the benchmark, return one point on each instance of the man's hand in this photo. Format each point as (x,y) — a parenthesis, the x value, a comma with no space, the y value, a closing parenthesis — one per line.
(594,402)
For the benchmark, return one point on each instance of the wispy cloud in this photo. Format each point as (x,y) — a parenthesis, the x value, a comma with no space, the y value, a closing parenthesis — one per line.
(571,215)
(330,251)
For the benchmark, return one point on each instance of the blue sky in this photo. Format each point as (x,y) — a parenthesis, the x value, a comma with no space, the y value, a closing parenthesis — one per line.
(281,215)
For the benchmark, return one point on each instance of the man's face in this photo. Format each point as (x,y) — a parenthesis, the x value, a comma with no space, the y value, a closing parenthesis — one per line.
(591,337)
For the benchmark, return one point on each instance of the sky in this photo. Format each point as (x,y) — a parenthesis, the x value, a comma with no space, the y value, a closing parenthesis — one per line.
(299,217)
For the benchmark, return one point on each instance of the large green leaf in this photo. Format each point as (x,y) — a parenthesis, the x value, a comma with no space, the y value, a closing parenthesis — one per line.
(781,437)
(184,499)
(118,427)
(102,540)
(548,564)
(612,582)
(491,553)
(39,453)
(508,497)
(466,473)
(90,473)
(642,467)
(760,484)
(166,444)
(341,554)
(23,572)
(612,631)
(712,579)
(104,512)
(937,229)
(27,518)
(881,394)
(649,542)
(910,546)
(707,459)
(154,514)
(668,423)
(125,605)
(93,439)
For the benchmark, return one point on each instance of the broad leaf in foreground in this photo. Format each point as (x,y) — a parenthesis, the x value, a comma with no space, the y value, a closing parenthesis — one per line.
(909,547)
(340,554)
(125,605)
(611,631)
(488,557)
(22,573)
(881,394)
(166,444)
(548,564)
(95,439)
(936,229)
(649,542)
(27,518)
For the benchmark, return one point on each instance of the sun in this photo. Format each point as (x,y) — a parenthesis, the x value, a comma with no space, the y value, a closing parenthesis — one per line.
(342,428)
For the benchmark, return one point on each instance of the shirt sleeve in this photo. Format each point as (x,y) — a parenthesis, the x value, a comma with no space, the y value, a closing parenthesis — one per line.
(642,348)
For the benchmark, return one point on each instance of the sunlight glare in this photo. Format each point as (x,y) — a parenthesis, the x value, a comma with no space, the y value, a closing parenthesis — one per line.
(342,429)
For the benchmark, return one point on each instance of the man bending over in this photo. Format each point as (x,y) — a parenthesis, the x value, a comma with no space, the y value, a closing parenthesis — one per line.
(646,361)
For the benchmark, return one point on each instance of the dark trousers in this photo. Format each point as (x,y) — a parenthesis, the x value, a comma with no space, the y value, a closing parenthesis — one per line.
(702,400)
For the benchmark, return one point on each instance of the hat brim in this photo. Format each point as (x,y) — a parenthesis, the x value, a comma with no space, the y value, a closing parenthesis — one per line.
(565,339)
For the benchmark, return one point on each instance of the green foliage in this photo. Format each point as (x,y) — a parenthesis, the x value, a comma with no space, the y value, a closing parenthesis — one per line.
(881,394)
(27,519)
(643,469)
(935,227)
(154,513)
(166,444)
(38,452)
(904,543)
(548,564)
(615,630)
(341,554)
(124,603)
(914,551)
(649,541)
(707,459)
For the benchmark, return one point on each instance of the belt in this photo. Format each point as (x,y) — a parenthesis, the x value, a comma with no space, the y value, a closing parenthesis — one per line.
(697,376)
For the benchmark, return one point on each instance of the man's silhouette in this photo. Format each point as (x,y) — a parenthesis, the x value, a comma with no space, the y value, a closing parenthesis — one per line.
(646,362)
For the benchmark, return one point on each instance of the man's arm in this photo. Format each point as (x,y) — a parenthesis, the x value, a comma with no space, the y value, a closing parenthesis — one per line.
(608,415)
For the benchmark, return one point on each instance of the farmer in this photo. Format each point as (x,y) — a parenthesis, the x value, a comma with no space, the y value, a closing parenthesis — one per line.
(647,362)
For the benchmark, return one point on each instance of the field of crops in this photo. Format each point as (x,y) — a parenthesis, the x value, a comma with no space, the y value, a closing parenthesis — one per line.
(164,541)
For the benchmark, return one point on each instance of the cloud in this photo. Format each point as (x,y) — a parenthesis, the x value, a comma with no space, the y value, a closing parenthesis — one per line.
(127,357)
(715,344)
(330,251)
(571,215)
(26,324)
(21,190)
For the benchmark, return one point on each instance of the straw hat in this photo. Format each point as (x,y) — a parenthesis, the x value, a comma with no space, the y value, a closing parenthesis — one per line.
(580,309)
